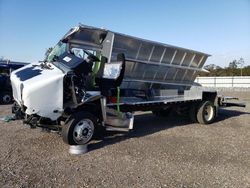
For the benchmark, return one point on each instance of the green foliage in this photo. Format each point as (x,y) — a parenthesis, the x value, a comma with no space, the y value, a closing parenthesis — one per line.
(228,72)
(233,64)
(235,68)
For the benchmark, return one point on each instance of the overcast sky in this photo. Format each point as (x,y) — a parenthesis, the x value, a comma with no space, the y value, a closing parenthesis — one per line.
(218,27)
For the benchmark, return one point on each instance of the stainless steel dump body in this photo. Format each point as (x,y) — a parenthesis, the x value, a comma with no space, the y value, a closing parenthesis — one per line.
(148,64)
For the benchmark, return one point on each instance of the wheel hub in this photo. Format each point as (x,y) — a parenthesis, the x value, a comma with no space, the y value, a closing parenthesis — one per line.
(83,131)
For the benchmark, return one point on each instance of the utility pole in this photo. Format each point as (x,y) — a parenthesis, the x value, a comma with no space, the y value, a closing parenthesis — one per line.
(241,62)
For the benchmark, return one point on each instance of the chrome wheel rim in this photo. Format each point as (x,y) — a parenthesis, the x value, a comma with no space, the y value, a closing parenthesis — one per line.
(209,113)
(83,131)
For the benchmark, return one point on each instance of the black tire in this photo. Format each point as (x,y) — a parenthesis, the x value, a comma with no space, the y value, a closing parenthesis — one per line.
(206,112)
(87,125)
(193,113)
(6,98)
(16,109)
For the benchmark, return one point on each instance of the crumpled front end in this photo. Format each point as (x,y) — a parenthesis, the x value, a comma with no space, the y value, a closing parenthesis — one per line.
(39,90)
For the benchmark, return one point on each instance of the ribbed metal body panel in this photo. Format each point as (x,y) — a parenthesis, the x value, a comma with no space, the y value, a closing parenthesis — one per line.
(148,64)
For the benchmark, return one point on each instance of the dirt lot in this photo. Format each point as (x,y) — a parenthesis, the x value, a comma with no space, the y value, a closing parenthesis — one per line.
(160,152)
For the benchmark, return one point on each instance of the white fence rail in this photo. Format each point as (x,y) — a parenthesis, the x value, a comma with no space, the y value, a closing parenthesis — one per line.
(225,81)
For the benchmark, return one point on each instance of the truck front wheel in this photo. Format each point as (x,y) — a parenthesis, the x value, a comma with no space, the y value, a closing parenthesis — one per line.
(206,112)
(79,128)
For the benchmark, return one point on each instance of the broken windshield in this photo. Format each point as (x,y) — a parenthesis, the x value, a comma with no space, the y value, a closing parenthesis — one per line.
(58,50)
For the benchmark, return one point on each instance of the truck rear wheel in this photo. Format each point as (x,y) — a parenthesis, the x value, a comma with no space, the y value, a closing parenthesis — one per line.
(79,129)
(206,112)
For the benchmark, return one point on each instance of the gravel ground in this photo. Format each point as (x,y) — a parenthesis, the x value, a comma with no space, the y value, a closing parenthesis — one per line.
(160,152)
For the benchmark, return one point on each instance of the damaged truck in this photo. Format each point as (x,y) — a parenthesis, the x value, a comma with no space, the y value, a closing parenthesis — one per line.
(95,79)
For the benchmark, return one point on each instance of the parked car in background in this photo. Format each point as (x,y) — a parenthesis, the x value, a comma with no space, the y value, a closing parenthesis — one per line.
(6,67)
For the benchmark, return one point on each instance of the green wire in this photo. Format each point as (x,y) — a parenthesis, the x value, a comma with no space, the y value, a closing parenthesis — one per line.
(95,70)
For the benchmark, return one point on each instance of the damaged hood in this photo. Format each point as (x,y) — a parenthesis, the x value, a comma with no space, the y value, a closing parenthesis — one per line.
(39,90)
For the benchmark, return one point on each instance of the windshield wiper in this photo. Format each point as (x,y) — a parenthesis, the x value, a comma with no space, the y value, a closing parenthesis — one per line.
(44,65)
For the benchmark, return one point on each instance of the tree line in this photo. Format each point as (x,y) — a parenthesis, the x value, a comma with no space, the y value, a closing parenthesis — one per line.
(234,68)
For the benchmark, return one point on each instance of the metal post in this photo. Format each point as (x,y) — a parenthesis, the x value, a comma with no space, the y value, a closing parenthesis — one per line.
(175,52)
